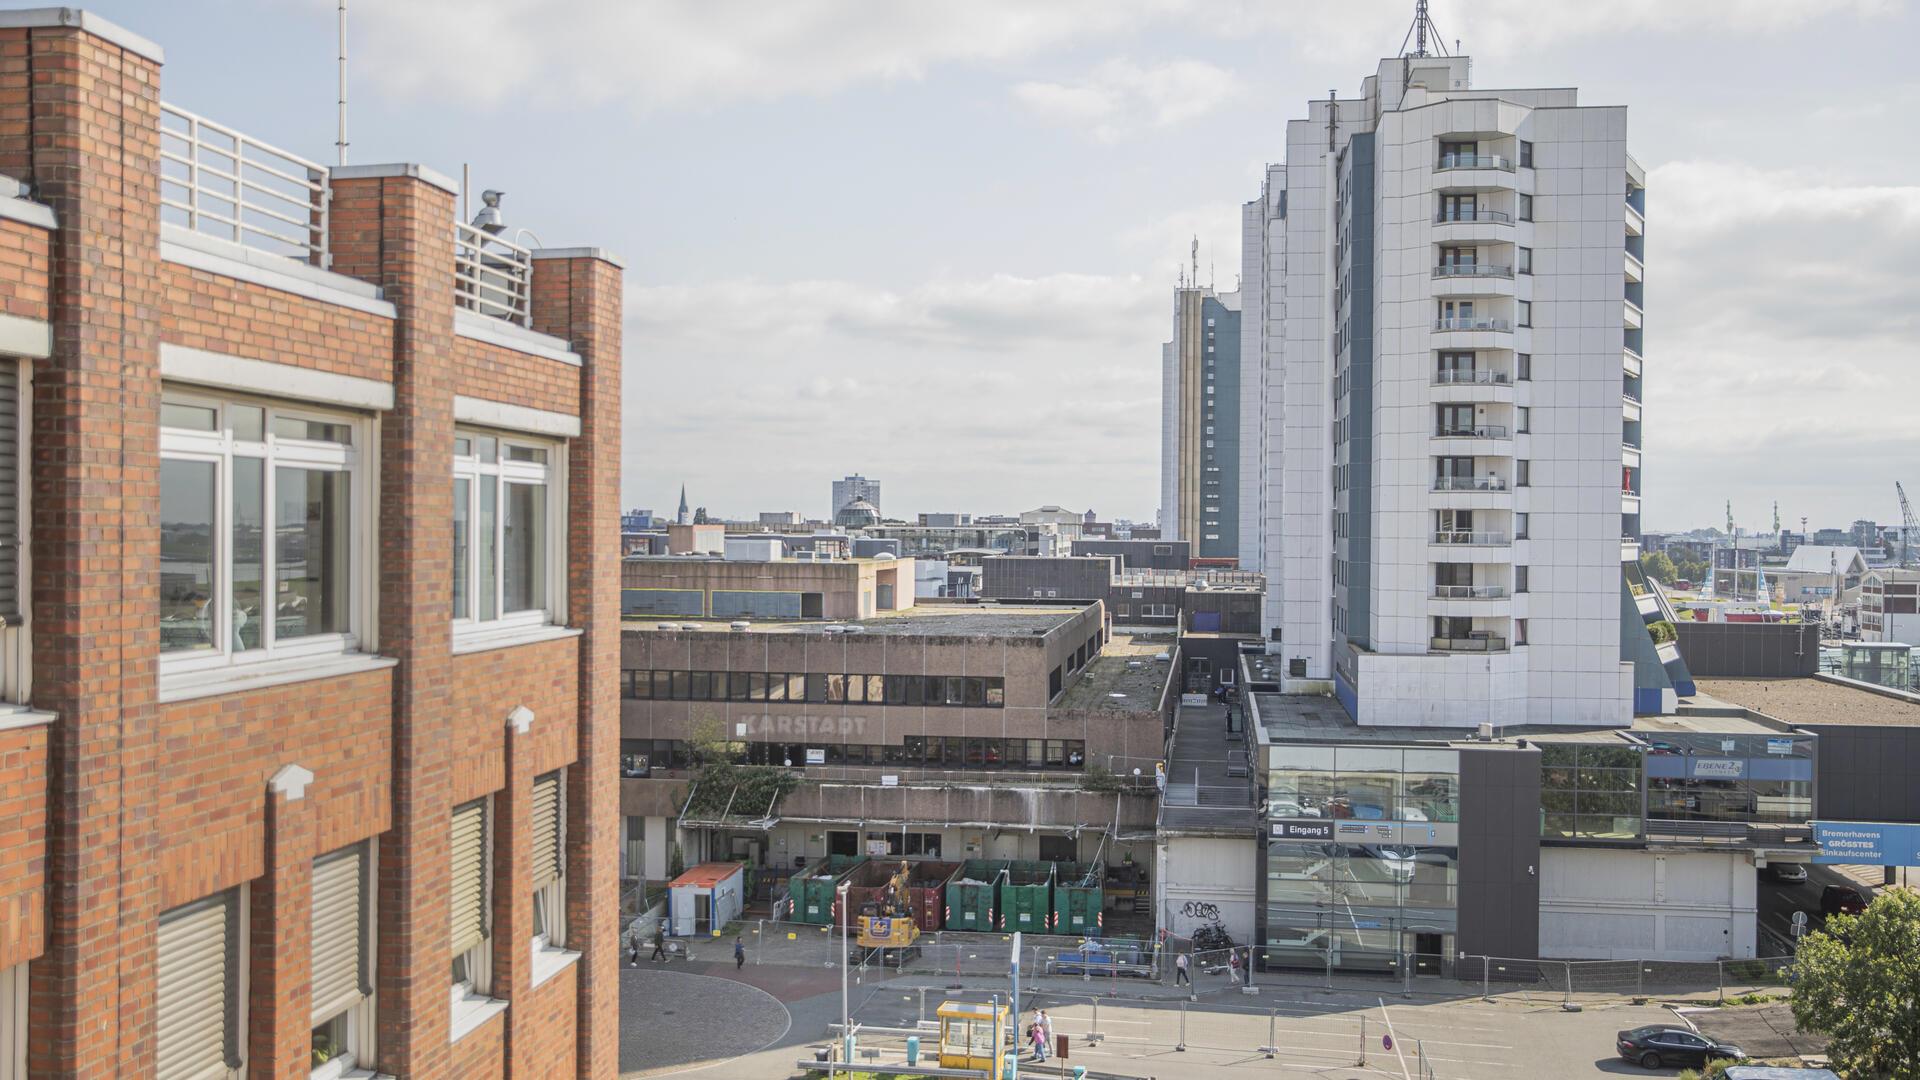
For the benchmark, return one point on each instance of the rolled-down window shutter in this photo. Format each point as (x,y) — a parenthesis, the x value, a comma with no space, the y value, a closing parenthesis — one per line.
(469,892)
(10,497)
(192,991)
(339,903)
(546,829)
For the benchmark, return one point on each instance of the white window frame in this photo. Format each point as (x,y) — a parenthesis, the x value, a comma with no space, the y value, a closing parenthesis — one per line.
(361,1017)
(503,473)
(219,449)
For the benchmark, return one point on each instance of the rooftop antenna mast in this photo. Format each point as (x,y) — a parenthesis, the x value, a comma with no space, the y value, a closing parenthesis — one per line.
(340,140)
(1195,250)
(1417,34)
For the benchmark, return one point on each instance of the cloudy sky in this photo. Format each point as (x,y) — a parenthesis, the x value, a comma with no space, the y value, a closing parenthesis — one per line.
(933,241)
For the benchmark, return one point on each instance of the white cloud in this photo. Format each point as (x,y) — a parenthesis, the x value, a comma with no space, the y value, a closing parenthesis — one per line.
(991,392)
(653,53)
(650,53)
(1120,97)
(1783,312)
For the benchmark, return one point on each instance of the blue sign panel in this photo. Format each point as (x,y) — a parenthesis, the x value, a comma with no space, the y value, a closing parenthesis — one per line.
(1867,843)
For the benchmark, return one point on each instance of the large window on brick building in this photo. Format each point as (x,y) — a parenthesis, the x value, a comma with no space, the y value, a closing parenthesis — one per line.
(262,536)
(507,532)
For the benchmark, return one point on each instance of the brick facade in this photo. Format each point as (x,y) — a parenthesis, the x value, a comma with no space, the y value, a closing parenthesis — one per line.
(132,800)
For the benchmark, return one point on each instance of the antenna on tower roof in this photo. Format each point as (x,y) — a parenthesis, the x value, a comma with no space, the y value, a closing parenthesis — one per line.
(1417,33)
(1196,260)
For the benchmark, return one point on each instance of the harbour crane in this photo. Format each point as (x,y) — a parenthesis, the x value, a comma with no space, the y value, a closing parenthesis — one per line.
(1907,527)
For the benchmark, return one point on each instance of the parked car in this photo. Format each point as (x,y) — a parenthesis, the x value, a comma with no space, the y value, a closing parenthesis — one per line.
(1654,1046)
(1785,873)
(1841,900)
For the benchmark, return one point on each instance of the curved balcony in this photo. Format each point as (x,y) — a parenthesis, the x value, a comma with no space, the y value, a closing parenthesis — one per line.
(1469,592)
(1457,325)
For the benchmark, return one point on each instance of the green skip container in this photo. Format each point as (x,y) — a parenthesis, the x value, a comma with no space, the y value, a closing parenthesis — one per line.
(1026,897)
(1077,898)
(810,892)
(972,893)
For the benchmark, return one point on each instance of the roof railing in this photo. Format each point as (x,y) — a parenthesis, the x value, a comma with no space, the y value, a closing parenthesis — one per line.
(219,182)
(491,274)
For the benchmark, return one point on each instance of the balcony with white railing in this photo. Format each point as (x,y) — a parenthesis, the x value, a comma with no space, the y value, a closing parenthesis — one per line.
(491,274)
(1472,270)
(1477,644)
(1497,217)
(1458,323)
(1469,592)
(1472,539)
(1473,431)
(1469,483)
(1474,377)
(1449,162)
(221,183)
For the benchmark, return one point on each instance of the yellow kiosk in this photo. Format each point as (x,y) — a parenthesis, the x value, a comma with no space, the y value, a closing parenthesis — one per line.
(970,1036)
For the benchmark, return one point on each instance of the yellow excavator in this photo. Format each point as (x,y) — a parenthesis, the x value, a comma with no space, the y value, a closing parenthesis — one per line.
(886,922)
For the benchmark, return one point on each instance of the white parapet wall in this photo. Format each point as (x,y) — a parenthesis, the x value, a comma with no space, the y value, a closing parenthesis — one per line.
(1612,904)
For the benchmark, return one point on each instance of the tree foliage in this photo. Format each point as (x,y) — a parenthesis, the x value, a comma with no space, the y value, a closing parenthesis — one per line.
(1657,566)
(1857,981)
(720,783)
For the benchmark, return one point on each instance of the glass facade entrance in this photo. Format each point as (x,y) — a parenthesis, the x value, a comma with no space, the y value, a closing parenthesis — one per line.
(1362,858)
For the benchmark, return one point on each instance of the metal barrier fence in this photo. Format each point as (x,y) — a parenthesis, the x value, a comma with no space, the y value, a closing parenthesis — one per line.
(1624,978)
(221,182)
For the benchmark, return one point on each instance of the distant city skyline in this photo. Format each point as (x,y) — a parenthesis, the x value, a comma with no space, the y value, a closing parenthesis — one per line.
(973,306)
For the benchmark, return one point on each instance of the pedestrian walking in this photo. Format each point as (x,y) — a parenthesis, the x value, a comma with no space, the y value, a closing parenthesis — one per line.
(1233,966)
(1039,1040)
(633,950)
(739,953)
(659,943)
(1180,976)
(1046,1030)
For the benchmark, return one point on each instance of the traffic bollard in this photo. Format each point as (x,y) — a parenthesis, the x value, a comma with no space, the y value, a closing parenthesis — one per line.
(1183,1028)
(1093,1028)
(1363,1040)
(1273,1046)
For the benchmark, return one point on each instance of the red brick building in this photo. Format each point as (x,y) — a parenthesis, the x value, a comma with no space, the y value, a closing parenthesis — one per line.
(309,604)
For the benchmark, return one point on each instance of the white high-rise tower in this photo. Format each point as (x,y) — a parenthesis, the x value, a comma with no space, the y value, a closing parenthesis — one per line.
(1443,294)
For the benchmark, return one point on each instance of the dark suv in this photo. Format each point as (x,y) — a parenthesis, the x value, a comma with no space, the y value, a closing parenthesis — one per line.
(1654,1046)
(1841,900)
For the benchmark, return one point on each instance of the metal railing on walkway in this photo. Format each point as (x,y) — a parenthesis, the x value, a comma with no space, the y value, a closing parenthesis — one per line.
(217,181)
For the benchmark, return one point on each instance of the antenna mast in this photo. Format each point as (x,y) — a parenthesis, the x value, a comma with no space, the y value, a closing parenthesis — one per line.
(340,140)
(1423,25)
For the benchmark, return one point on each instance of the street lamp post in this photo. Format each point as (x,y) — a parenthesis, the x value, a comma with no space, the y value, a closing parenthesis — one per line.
(846,1021)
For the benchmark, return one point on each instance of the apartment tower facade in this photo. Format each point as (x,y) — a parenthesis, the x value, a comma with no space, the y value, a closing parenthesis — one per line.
(1200,424)
(310,705)
(1447,315)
